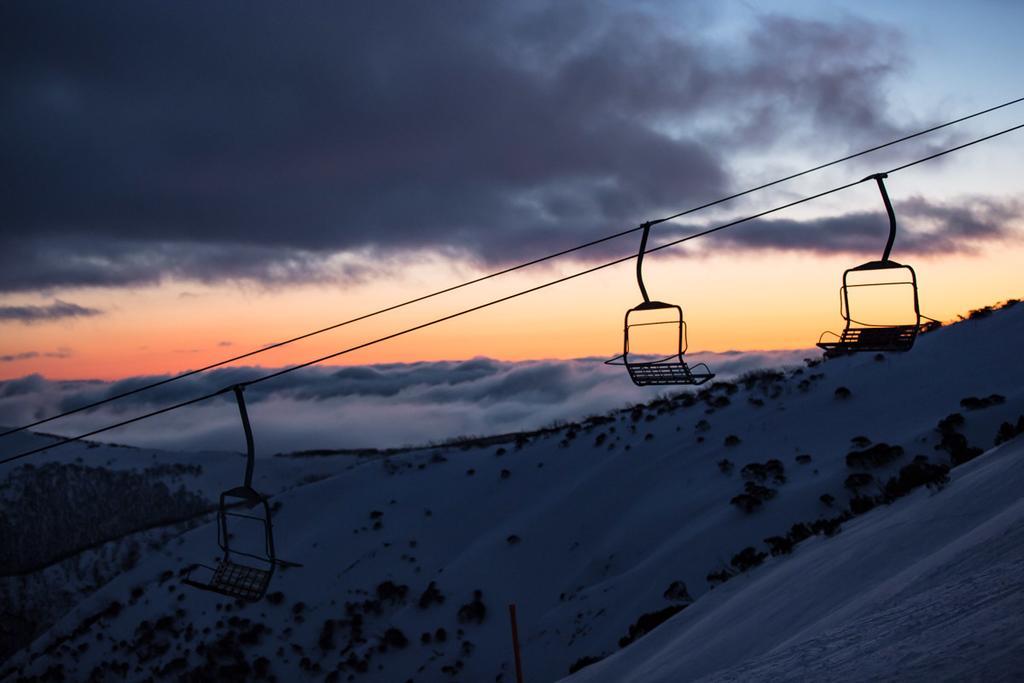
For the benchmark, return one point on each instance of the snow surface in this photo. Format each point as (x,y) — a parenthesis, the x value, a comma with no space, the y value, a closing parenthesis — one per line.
(931,588)
(585,534)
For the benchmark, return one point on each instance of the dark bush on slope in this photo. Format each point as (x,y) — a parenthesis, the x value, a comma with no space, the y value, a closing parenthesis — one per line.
(392,592)
(747,559)
(583,662)
(648,622)
(975,403)
(432,595)
(861,504)
(474,611)
(761,378)
(916,474)
(773,469)
(677,592)
(858,480)
(1008,431)
(979,313)
(752,497)
(879,455)
(953,442)
(718,577)
(779,545)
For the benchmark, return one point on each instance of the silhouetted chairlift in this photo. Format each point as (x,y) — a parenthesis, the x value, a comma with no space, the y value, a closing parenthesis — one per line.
(862,336)
(245,579)
(671,369)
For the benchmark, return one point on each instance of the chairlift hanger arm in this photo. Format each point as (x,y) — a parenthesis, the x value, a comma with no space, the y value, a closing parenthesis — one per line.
(640,261)
(250,449)
(879,178)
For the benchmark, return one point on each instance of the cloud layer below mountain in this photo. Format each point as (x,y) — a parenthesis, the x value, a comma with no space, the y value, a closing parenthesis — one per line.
(357,406)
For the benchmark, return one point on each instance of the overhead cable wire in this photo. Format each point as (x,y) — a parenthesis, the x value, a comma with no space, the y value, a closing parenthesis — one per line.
(500,300)
(498,273)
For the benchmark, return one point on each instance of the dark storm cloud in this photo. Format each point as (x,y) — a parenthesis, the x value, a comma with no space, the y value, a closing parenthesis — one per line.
(58,310)
(220,141)
(923,227)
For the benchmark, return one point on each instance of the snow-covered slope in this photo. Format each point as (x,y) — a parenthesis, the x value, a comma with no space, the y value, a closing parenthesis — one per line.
(933,587)
(592,526)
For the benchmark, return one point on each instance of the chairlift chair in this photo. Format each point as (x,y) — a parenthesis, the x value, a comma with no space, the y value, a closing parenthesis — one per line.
(860,336)
(235,577)
(671,369)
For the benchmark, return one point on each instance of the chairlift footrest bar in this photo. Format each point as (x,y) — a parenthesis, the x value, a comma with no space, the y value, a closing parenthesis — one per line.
(859,339)
(674,373)
(235,581)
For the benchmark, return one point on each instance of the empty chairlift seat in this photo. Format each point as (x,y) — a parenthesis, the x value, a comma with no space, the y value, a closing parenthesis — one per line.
(858,335)
(671,369)
(242,573)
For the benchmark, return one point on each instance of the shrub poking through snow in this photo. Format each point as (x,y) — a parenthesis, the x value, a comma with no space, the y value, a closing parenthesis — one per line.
(858,480)
(827,499)
(753,496)
(725,466)
(431,595)
(861,504)
(804,458)
(474,611)
(1008,431)
(779,545)
(842,393)
(583,662)
(677,592)
(392,592)
(879,455)
(732,440)
(772,469)
(648,622)
(393,637)
(916,474)
(975,403)
(953,442)
(748,558)
(719,577)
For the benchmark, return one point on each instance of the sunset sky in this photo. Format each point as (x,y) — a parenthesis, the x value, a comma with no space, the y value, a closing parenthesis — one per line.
(188,181)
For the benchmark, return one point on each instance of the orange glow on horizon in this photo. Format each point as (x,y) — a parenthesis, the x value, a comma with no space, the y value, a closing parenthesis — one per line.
(753,301)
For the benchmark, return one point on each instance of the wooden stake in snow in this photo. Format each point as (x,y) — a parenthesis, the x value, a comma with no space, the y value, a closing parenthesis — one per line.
(515,643)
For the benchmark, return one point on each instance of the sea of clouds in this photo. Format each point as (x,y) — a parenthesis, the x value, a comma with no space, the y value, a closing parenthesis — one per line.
(375,406)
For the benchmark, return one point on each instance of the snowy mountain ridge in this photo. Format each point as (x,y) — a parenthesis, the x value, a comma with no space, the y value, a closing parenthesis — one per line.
(633,544)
